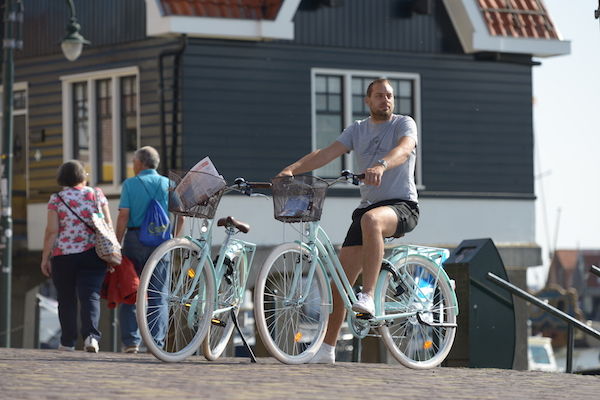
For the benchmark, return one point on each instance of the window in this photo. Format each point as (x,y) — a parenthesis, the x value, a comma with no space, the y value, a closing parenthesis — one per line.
(338,100)
(101,123)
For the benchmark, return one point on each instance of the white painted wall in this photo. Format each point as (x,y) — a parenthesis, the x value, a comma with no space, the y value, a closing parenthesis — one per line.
(443,221)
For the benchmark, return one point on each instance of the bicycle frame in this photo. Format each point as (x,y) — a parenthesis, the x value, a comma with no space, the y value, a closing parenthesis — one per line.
(323,254)
(229,246)
(321,250)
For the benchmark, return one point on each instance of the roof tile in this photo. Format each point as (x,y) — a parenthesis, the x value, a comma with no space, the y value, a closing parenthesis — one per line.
(242,9)
(518,19)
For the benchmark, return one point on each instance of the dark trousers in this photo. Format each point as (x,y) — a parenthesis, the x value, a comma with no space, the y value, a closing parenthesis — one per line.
(78,277)
(139,253)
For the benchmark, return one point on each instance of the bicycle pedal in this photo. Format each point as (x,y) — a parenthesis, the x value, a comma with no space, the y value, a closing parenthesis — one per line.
(364,316)
(399,290)
(217,322)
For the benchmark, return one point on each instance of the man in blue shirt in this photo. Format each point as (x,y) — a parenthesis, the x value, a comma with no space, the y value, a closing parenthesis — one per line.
(135,198)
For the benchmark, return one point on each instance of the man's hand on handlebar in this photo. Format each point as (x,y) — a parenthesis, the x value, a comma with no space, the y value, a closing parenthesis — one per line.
(373,175)
(285,172)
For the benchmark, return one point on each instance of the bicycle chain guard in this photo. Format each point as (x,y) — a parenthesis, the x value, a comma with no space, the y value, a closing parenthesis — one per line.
(360,327)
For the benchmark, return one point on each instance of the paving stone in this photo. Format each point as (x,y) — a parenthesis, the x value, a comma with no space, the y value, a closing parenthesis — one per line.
(52,374)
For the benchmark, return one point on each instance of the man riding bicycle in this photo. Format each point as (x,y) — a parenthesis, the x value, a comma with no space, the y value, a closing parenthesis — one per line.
(384,145)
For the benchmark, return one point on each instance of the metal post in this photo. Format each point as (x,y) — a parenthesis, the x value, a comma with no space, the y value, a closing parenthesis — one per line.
(114,330)
(356,349)
(13,15)
(570,345)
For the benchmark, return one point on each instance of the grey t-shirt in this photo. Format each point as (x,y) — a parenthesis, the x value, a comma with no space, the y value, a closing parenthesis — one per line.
(372,142)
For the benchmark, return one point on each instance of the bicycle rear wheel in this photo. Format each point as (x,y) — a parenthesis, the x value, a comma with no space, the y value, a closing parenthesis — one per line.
(175,300)
(424,339)
(229,296)
(291,318)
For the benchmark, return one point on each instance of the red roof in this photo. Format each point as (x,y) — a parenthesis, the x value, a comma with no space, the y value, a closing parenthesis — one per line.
(565,263)
(518,19)
(241,9)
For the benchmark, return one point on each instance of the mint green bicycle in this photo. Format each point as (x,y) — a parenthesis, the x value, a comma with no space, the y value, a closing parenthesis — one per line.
(187,299)
(415,303)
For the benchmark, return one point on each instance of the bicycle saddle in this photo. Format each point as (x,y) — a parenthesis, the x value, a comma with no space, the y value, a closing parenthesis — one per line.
(230,221)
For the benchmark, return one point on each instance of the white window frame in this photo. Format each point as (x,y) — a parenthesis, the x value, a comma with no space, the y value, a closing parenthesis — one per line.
(19,86)
(67,123)
(347,76)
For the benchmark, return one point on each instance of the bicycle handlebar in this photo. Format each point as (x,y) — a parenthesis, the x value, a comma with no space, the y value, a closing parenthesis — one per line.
(241,185)
(348,175)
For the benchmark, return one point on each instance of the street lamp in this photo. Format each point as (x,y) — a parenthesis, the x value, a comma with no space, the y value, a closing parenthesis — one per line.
(72,44)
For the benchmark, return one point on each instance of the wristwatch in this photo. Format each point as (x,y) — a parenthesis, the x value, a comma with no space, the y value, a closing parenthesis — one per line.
(383,163)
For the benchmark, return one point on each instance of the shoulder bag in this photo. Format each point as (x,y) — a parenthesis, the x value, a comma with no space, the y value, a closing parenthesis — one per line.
(107,245)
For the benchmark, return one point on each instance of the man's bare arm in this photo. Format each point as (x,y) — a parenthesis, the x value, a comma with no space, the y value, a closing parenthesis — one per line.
(395,157)
(122,220)
(316,159)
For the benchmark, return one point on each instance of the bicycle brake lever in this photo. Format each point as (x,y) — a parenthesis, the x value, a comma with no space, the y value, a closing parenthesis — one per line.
(239,182)
(356,180)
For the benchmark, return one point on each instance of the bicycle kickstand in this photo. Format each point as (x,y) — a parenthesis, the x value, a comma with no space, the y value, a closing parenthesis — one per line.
(237,326)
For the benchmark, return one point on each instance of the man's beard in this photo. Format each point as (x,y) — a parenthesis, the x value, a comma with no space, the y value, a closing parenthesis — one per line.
(379,115)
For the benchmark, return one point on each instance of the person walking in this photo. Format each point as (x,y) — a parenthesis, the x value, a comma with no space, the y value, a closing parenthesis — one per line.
(69,255)
(136,194)
(384,146)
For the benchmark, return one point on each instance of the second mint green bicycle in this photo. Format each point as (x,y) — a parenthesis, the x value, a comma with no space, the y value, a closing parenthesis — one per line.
(187,298)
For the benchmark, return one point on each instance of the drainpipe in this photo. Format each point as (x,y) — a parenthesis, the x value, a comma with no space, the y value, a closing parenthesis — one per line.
(175,108)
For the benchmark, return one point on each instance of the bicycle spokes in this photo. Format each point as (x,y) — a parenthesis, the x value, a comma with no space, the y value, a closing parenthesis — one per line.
(422,321)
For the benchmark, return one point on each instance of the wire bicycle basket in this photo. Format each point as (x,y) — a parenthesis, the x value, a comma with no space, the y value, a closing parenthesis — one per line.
(195,194)
(298,198)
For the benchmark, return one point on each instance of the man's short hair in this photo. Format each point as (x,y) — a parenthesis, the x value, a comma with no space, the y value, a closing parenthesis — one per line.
(376,81)
(148,156)
(71,173)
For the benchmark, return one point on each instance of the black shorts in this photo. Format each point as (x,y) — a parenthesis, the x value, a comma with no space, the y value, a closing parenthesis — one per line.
(408,217)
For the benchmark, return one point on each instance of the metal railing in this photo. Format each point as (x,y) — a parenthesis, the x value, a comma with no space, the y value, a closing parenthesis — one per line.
(595,270)
(571,322)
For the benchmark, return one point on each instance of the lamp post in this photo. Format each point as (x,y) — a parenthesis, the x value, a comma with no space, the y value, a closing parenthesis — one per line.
(72,44)
(13,18)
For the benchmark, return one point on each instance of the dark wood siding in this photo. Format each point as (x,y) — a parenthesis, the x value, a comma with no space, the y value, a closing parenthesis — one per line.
(42,75)
(387,25)
(103,22)
(247,105)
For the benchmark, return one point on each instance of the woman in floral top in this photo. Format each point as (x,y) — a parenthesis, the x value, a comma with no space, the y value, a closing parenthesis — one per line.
(69,256)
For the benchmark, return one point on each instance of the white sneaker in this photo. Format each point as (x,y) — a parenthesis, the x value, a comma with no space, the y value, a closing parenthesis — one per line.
(131,349)
(90,344)
(325,355)
(364,304)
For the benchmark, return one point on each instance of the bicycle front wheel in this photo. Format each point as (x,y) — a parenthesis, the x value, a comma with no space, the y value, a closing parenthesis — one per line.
(229,299)
(424,338)
(291,308)
(175,300)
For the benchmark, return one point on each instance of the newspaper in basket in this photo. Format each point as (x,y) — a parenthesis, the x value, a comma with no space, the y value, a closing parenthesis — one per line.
(195,193)
(298,198)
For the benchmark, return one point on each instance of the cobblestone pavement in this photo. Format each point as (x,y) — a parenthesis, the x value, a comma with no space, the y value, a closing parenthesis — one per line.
(53,374)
